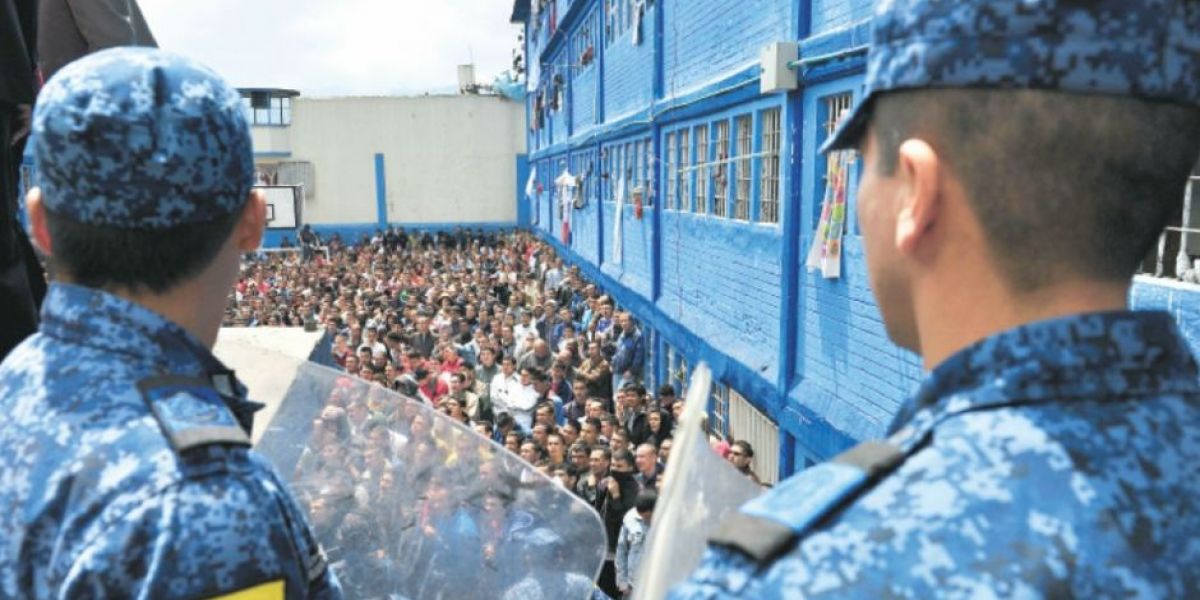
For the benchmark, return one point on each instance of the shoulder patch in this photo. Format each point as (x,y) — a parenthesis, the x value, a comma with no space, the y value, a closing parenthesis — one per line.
(768,525)
(191,412)
(271,590)
(760,539)
(873,457)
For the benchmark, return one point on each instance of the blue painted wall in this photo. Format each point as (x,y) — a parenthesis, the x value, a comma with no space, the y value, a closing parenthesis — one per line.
(846,369)
(522,166)
(707,38)
(828,15)
(812,354)
(629,70)
(585,223)
(1181,300)
(585,85)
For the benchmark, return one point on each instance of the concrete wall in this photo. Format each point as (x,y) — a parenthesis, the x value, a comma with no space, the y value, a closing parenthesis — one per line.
(271,140)
(444,159)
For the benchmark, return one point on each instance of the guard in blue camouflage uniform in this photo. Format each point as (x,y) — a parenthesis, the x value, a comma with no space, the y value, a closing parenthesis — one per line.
(127,469)
(1020,158)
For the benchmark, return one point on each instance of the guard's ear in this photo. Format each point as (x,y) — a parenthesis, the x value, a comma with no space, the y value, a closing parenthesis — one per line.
(248,233)
(919,171)
(39,231)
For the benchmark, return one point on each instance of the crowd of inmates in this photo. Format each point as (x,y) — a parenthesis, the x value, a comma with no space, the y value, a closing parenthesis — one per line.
(493,331)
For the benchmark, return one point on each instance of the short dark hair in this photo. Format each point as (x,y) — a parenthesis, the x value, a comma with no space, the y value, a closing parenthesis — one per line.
(1062,184)
(138,259)
(646,501)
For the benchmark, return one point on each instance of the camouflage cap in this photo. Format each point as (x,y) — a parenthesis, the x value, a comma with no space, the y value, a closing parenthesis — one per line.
(1147,49)
(141,138)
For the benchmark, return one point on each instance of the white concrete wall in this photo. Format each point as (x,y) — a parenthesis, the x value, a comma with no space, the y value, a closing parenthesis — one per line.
(271,139)
(448,159)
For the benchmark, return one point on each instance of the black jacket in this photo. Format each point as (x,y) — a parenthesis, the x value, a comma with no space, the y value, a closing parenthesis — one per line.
(18,44)
(69,29)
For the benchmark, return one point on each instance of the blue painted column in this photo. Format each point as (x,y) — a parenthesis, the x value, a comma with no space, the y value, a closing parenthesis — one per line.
(381,209)
(522,201)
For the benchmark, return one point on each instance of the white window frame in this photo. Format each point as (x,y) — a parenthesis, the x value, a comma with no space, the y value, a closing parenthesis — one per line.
(768,188)
(671,174)
(685,170)
(744,177)
(721,182)
(701,135)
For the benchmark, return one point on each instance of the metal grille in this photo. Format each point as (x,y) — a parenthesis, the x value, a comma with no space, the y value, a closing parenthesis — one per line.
(680,374)
(628,157)
(648,171)
(769,181)
(671,174)
(702,169)
(299,173)
(746,423)
(745,138)
(836,108)
(685,172)
(721,171)
(718,410)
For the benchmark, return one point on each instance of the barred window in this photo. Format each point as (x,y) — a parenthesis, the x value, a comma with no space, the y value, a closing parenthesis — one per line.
(609,175)
(745,143)
(836,106)
(769,175)
(670,174)
(718,410)
(639,173)
(721,170)
(648,170)
(685,171)
(629,157)
(702,159)
(585,43)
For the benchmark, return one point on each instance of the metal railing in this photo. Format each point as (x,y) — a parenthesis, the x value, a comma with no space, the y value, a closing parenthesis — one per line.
(1186,259)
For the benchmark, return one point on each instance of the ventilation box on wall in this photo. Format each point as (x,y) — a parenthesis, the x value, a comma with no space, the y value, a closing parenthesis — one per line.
(776,75)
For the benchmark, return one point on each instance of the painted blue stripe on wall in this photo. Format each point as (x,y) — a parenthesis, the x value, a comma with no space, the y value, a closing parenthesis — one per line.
(381,216)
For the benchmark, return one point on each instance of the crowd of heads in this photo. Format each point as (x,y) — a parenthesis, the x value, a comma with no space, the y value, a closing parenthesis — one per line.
(492,331)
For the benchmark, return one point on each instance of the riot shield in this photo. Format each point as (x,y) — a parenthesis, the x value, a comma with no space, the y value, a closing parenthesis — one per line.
(409,503)
(699,491)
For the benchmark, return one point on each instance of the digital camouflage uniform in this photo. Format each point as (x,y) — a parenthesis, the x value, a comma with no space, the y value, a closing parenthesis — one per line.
(127,469)
(1057,459)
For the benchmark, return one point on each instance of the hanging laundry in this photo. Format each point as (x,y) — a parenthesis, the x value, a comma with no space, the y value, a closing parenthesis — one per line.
(826,251)
(638,9)
(617,222)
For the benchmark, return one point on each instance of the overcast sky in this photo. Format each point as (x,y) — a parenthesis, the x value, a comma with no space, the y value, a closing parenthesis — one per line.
(339,47)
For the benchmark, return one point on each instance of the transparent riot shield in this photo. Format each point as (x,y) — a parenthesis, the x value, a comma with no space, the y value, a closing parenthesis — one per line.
(699,491)
(408,503)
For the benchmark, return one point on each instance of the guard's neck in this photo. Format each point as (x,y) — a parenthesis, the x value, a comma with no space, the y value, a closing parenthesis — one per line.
(188,306)
(962,316)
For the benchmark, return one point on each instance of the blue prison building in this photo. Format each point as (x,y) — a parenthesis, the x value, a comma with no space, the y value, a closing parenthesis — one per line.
(698,194)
